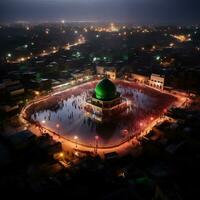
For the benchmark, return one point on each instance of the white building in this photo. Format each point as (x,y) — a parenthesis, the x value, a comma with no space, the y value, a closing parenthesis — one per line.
(140,78)
(157,81)
(111,74)
(100,70)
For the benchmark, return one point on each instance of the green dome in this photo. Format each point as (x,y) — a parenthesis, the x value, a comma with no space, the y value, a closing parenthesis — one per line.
(106,90)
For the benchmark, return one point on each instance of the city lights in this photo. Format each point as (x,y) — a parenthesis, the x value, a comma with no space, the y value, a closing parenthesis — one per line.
(61,154)
(9,55)
(100,99)
(22,59)
(182,38)
(158,58)
(43,121)
(76,137)
(37,93)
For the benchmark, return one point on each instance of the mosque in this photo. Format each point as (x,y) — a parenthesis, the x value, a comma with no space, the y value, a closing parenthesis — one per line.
(106,102)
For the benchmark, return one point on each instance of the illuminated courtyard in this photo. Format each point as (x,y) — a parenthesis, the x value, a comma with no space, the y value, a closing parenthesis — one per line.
(64,114)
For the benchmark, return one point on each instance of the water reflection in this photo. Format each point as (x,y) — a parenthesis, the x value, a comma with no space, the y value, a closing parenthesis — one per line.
(64,113)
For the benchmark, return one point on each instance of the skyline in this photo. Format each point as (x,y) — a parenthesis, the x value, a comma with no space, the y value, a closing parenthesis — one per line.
(131,11)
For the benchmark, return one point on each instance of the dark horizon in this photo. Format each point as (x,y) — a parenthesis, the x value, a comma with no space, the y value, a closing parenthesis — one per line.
(143,12)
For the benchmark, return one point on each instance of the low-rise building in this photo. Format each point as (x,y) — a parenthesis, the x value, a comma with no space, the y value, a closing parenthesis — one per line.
(21,139)
(157,81)
(13,87)
(100,70)
(139,78)
(111,73)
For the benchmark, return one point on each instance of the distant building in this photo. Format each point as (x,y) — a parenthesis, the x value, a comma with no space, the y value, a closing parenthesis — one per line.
(167,191)
(49,146)
(100,70)
(22,139)
(111,155)
(79,77)
(42,84)
(111,73)
(88,72)
(8,108)
(140,78)
(13,88)
(157,81)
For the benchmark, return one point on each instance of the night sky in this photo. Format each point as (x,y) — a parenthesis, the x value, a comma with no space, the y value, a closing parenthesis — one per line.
(135,11)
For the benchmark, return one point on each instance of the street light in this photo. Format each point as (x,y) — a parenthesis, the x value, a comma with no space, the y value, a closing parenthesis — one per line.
(37,93)
(76,153)
(96,143)
(43,121)
(62,156)
(9,55)
(76,138)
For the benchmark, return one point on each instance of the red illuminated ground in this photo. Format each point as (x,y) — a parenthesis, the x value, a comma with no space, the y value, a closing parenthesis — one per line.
(64,114)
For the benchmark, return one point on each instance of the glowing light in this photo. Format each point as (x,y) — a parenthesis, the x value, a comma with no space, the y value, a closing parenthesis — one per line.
(157,57)
(96,137)
(43,121)
(57,125)
(61,154)
(37,93)
(76,153)
(76,137)
(113,28)
(62,21)
(9,55)
(22,59)
(182,38)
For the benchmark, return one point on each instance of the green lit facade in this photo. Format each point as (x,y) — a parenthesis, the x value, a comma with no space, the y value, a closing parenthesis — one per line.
(106,90)
(105,102)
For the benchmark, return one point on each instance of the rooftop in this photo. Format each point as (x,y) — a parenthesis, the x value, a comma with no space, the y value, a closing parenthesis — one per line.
(106,90)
